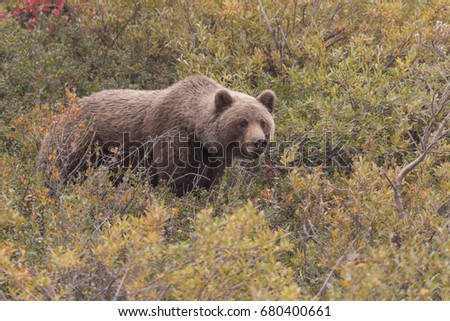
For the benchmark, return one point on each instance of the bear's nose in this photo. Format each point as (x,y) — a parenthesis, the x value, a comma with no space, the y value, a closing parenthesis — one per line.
(260,145)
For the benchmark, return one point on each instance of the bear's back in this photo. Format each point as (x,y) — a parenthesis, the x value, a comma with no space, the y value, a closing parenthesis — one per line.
(119,111)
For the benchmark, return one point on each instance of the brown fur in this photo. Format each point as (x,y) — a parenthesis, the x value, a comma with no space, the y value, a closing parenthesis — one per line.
(194,109)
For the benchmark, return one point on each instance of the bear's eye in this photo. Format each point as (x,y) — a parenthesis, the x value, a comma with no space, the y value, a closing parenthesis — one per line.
(263,125)
(243,123)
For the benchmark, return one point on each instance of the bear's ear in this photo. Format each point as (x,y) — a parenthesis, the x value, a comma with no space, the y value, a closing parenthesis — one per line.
(267,98)
(223,100)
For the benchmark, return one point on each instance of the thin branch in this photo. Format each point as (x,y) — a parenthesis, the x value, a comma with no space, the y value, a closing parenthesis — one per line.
(427,148)
(137,8)
(413,140)
(330,275)
(389,180)
(303,15)
(435,114)
(285,40)
(338,8)
(268,24)
(116,296)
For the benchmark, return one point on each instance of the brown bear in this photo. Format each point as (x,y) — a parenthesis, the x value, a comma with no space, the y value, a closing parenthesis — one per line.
(186,134)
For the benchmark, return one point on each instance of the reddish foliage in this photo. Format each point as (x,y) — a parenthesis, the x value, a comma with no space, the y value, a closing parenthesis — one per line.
(27,13)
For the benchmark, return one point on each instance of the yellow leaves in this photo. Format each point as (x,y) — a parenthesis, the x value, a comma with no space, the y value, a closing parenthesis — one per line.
(424,294)
(113,149)
(227,252)
(64,258)
(442,173)
(231,8)
(8,214)
(389,273)
(175,211)
(107,250)
(21,282)
(259,59)
(44,281)
(335,234)
(289,156)
(136,238)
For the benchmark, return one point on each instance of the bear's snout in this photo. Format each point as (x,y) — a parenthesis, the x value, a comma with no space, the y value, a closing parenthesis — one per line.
(255,147)
(260,145)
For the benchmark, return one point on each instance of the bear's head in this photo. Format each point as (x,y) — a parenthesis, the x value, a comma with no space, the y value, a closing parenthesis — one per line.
(244,124)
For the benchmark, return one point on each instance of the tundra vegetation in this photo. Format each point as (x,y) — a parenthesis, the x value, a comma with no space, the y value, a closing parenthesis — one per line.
(355,206)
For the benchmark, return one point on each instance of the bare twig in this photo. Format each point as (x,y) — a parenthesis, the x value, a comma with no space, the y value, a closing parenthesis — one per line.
(426,149)
(330,275)
(303,15)
(294,16)
(331,20)
(136,10)
(413,140)
(116,296)
(268,24)
(286,44)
